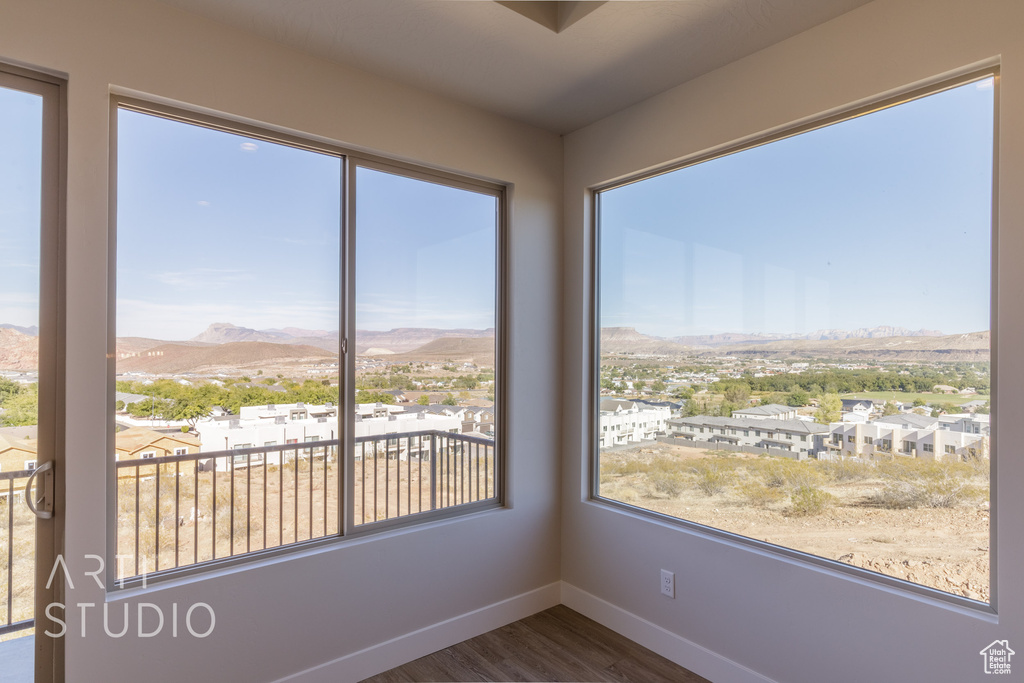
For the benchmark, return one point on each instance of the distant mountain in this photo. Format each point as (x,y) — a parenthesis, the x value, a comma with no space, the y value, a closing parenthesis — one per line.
(225,333)
(871,333)
(817,335)
(31,331)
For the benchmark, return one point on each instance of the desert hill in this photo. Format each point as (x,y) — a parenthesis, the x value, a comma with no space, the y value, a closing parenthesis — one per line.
(973,346)
(628,340)
(405,339)
(478,350)
(180,358)
(18,351)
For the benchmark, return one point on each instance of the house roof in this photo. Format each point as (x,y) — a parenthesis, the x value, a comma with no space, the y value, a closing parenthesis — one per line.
(909,421)
(769,410)
(794,426)
(137,438)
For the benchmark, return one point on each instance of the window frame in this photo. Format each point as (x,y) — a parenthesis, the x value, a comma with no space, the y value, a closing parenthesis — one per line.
(350,158)
(592,386)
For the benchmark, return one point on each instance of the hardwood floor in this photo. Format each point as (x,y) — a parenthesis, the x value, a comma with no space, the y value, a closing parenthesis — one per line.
(555,645)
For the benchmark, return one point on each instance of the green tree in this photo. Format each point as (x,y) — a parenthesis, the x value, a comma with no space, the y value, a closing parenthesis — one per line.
(829,409)
(372,397)
(449,400)
(22,408)
(890,408)
(190,410)
(737,393)
(798,398)
(659,386)
(423,400)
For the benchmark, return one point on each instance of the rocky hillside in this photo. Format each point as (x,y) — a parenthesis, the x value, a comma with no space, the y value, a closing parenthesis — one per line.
(179,358)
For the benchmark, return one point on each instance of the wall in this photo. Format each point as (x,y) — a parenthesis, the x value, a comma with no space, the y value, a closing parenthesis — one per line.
(739,611)
(280,617)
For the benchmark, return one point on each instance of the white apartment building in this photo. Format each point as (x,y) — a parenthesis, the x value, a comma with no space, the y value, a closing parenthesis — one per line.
(929,443)
(291,423)
(771,411)
(624,422)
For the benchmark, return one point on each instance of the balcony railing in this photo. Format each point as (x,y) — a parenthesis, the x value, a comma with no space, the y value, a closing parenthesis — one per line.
(190,509)
(17,554)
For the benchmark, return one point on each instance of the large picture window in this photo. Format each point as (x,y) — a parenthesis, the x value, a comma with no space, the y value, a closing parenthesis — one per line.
(794,340)
(293,360)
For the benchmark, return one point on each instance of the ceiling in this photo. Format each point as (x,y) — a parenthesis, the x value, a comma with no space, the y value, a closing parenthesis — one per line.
(560,69)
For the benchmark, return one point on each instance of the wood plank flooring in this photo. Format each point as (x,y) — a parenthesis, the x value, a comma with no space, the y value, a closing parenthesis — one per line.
(555,645)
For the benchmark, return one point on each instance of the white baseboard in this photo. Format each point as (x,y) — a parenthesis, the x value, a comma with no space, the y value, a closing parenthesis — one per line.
(683,652)
(397,651)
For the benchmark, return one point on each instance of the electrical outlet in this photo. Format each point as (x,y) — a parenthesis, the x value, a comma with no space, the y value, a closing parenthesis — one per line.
(668,583)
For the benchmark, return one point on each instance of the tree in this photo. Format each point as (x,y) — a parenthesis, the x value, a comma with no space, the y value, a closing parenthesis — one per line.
(119,405)
(372,397)
(423,400)
(191,410)
(798,398)
(22,408)
(890,408)
(737,393)
(449,400)
(659,386)
(829,409)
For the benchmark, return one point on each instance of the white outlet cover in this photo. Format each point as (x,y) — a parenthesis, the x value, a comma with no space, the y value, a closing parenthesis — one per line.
(668,583)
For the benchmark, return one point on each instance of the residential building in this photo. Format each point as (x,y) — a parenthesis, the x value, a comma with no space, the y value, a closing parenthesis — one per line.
(798,436)
(863,406)
(624,422)
(894,438)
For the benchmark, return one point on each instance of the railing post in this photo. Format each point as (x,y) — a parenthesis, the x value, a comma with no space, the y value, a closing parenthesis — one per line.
(433,470)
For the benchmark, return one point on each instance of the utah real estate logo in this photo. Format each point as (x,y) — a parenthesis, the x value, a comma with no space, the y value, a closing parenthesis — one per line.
(997,657)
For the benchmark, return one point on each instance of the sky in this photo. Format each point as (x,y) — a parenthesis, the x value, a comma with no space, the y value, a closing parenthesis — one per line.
(215,227)
(20,177)
(884,219)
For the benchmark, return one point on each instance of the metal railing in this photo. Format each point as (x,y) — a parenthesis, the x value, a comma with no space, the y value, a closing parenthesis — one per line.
(17,562)
(421,471)
(182,510)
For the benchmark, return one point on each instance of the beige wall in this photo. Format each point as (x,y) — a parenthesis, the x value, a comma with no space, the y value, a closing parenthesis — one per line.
(783,618)
(283,616)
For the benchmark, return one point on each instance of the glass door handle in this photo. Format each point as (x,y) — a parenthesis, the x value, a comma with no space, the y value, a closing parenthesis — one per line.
(41,507)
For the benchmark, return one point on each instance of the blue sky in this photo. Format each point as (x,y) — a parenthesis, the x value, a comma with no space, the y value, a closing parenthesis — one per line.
(880,220)
(214,227)
(20,169)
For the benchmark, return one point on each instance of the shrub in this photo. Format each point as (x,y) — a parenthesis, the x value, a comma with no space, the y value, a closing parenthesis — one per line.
(669,483)
(914,483)
(712,477)
(845,469)
(808,500)
(790,473)
(760,495)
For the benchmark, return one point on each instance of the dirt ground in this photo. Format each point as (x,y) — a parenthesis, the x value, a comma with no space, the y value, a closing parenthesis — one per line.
(944,548)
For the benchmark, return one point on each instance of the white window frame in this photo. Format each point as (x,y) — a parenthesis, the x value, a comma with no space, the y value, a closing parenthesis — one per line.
(592,449)
(351,159)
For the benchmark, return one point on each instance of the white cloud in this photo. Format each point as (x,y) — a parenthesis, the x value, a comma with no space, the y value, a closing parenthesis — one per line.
(249,146)
(986,84)
(203,202)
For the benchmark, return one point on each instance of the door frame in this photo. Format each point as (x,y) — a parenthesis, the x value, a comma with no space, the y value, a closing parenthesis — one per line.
(49,652)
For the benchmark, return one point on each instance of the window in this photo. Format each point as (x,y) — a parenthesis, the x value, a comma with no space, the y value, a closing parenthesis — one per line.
(950,449)
(146,455)
(30,465)
(754,251)
(402,292)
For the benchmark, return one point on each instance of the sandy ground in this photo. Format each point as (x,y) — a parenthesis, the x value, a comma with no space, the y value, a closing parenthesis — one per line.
(944,548)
